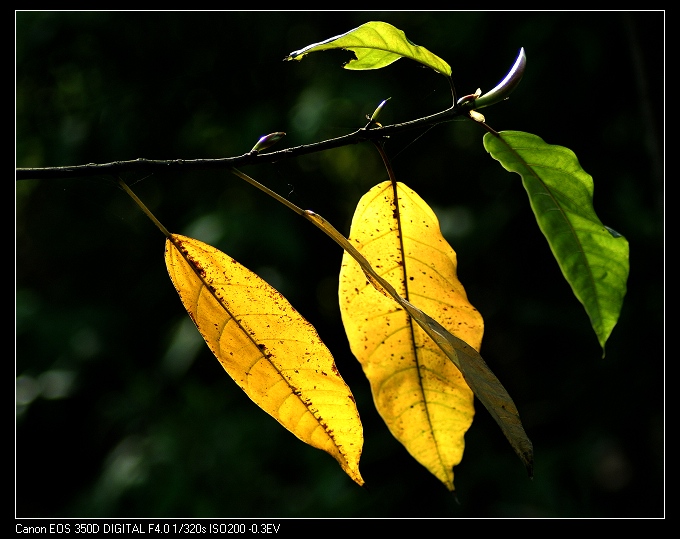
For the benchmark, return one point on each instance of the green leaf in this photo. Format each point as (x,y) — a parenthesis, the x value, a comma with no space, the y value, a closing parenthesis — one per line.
(593,258)
(376,44)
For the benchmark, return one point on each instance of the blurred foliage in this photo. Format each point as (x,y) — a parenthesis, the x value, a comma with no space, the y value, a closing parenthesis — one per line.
(121,408)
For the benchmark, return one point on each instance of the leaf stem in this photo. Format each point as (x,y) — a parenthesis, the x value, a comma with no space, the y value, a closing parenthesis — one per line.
(453,91)
(146,210)
(268,191)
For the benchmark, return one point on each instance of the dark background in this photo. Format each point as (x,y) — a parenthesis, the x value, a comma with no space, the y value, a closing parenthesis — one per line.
(121,408)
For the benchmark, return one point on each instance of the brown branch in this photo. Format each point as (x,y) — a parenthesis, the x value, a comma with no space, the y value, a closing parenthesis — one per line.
(154,165)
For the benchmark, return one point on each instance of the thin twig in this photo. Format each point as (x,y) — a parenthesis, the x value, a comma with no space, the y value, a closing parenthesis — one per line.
(251,158)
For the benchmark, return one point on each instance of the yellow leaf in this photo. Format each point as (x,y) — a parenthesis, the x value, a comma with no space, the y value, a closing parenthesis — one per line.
(420,394)
(268,348)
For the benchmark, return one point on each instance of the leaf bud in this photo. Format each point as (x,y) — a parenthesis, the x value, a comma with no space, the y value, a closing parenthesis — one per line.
(267,140)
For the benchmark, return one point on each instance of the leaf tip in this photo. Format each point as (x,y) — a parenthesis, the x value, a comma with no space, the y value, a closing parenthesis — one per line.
(527,457)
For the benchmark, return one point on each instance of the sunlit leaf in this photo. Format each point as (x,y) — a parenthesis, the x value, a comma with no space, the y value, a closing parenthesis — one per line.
(420,394)
(376,44)
(593,258)
(486,387)
(268,348)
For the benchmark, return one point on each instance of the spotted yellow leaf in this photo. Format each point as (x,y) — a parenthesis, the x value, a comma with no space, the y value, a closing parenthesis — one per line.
(268,348)
(420,394)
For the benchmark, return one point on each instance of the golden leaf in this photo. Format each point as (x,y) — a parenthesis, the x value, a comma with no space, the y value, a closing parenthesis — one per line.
(268,348)
(420,394)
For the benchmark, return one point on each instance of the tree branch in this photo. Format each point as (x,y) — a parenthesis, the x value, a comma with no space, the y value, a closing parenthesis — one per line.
(154,165)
